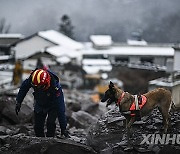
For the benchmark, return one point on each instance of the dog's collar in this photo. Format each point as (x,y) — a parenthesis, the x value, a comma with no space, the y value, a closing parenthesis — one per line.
(120,98)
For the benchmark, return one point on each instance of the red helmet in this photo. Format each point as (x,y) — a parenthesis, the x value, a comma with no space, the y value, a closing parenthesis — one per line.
(41,79)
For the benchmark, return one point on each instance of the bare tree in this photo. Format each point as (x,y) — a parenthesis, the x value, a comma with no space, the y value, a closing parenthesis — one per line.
(4,28)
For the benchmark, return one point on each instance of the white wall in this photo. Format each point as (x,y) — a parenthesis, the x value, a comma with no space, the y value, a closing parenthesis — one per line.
(176,95)
(170,65)
(30,46)
(177,60)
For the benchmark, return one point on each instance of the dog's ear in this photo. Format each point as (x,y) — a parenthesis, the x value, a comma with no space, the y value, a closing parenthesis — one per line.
(111,85)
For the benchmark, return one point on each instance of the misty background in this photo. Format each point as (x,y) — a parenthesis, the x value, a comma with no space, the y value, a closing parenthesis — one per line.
(159,20)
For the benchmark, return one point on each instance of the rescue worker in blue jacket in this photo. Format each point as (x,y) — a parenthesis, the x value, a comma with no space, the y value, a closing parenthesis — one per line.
(49,102)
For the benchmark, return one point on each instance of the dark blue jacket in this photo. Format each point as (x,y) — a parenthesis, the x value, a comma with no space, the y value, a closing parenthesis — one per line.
(45,100)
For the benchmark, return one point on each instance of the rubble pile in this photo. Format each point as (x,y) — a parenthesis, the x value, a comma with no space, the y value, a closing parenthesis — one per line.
(16,132)
(24,144)
(93,128)
(109,134)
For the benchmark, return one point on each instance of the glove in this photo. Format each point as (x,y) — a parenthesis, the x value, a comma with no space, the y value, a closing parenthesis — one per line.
(65,133)
(17,109)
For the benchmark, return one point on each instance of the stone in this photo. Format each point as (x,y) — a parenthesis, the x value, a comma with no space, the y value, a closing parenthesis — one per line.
(82,119)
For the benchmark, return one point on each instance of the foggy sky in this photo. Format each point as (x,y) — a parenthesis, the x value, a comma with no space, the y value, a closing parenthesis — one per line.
(158,19)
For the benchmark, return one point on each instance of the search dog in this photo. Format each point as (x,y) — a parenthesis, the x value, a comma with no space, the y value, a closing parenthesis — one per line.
(159,97)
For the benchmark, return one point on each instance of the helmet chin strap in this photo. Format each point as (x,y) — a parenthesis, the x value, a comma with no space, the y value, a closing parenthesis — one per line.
(47,87)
